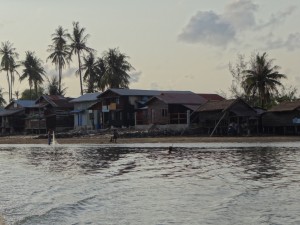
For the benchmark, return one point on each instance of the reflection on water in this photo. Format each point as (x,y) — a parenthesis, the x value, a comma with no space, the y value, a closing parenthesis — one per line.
(143,184)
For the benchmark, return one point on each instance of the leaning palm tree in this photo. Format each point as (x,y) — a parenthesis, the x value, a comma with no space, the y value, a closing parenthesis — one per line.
(116,68)
(33,71)
(9,55)
(78,46)
(262,78)
(60,52)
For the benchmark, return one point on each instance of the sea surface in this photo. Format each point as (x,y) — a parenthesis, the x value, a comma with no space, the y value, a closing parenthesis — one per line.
(134,184)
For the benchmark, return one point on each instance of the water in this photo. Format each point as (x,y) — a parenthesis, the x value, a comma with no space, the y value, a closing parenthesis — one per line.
(224,183)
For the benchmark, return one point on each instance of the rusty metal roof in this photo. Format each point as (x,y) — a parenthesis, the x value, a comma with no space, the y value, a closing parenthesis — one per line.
(216,105)
(185,98)
(285,106)
(56,101)
(212,97)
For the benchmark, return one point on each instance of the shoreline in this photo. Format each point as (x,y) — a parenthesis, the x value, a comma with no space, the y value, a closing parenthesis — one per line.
(105,139)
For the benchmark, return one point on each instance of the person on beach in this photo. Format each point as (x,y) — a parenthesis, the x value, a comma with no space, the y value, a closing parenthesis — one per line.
(114,137)
(49,137)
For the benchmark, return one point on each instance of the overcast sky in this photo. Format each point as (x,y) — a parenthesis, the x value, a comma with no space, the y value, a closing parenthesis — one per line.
(172,44)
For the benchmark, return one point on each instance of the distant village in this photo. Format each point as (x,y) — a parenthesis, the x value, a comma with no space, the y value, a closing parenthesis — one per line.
(207,114)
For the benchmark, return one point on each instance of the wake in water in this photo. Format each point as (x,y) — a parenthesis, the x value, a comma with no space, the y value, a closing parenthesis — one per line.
(54,142)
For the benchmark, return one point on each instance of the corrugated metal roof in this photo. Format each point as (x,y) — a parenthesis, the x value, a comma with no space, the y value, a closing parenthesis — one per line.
(285,106)
(57,101)
(137,92)
(181,98)
(216,105)
(25,103)
(212,97)
(88,97)
(8,112)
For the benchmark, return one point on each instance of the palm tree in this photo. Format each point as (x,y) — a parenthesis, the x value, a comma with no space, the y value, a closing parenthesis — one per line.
(8,53)
(116,68)
(60,52)
(100,71)
(262,78)
(93,72)
(78,46)
(2,100)
(13,70)
(33,71)
(53,87)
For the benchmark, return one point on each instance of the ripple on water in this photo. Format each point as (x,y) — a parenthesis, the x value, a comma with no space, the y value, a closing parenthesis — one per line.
(223,183)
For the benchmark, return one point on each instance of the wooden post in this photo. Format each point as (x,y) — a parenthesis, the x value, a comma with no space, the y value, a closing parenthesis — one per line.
(218,123)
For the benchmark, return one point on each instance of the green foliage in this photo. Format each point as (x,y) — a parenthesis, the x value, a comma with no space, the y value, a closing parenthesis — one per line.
(116,68)
(53,87)
(33,71)
(60,52)
(256,81)
(8,64)
(78,46)
(27,94)
(2,100)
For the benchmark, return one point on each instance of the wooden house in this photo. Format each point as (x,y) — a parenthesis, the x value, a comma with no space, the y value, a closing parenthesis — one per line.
(50,112)
(282,119)
(85,116)
(218,117)
(119,105)
(175,109)
(12,117)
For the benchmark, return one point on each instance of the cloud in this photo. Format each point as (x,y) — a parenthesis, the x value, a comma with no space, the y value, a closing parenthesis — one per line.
(241,14)
(291,43)
(238,17)
(208,28)
(135,76)
(277,18)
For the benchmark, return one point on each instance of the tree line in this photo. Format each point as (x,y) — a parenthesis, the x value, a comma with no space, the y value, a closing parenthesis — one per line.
(95,73)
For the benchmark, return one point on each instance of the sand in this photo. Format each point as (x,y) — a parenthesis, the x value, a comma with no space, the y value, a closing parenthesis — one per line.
(104,139)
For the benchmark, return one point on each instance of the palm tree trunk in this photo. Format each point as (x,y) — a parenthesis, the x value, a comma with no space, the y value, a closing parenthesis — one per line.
(59,78)
(8,81)
(11,84)
(36,90)
(80,77)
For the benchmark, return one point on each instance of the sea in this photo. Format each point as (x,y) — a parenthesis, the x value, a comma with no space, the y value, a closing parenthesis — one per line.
(136,184)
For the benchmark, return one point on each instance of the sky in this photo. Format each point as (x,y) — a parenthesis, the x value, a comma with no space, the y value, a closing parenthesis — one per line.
(172,44)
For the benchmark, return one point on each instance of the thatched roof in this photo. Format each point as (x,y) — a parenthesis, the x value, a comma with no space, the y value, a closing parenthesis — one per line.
(286,106)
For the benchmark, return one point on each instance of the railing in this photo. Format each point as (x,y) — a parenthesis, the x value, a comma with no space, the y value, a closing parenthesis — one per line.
(178,118)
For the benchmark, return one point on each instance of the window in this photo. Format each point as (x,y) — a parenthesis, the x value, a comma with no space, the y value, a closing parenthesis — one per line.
(164,112)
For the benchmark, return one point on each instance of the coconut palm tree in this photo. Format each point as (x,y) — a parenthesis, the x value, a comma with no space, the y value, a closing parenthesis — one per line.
(78,46)
(53,87)
(93,72)
(2,100)
(116,68)
(262,78)
(9,55)
(13,70)
(100,71)
(33,71)
(60,52)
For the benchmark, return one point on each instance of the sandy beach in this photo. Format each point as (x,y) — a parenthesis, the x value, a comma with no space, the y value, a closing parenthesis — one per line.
(105,139)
